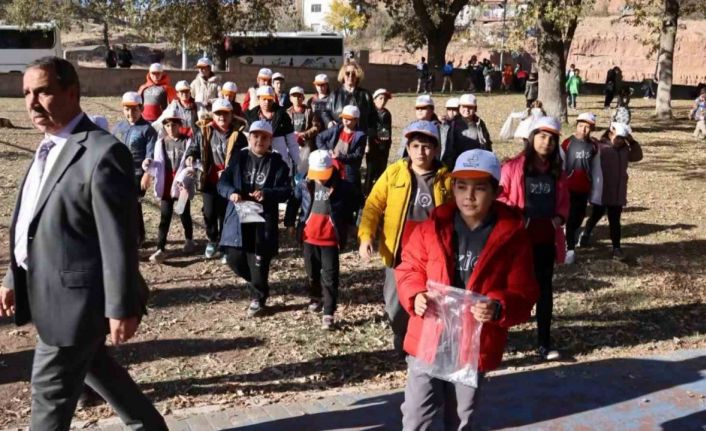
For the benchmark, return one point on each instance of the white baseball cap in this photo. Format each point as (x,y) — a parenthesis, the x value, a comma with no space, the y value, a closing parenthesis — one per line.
(423,101)
(131,98)
(587,117)
(380,91)
(265,91)
(204,62)
(277,75)
(320,165)
(261,126)
(171,113)
(182,86)
(424,127)
(221,105)
(320,79)
(264,73)
(156,67)
(229,87)
(467,100)
(296,90)
(350,112)
(621,129)
(452,103)
(547,124)
(477,164)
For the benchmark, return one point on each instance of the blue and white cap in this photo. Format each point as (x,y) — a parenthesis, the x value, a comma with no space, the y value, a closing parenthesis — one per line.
(477,164)
(220,105)
(424,127)
(261,126)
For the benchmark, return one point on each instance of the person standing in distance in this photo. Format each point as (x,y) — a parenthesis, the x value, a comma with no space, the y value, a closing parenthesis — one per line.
(73,256)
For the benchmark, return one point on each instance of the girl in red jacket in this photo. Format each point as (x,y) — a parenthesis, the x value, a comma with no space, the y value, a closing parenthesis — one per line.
(535,183)
(472,243)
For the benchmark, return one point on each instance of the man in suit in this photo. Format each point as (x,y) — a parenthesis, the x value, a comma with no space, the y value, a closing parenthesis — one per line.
(73,256)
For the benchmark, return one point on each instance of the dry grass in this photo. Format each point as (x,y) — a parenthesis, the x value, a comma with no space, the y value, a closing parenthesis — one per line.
(196,347)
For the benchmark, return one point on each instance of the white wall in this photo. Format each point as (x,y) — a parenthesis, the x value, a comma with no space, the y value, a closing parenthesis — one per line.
(315,20)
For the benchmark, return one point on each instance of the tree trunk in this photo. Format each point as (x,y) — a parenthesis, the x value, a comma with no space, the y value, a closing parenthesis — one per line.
(106,37)
(436,48)
(552,64)
(665,59)
(219,54)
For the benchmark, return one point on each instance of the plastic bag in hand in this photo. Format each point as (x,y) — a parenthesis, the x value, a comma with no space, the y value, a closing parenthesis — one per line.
(249,212)
(449,345)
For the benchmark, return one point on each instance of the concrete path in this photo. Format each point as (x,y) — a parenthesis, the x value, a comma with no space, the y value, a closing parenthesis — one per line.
(665,393)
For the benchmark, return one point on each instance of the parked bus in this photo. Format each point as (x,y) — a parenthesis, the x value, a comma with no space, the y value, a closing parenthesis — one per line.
(20,46)
(299,49)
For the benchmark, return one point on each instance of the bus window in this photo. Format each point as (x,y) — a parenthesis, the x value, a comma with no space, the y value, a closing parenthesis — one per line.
(26,39)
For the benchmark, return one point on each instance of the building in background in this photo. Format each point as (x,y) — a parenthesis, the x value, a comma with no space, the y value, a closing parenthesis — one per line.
(314,13)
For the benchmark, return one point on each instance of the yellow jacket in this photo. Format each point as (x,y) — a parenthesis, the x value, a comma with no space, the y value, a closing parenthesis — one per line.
(389,201)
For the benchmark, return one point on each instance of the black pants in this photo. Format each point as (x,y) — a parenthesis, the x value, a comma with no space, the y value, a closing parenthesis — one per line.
(609,95)
(214,212)
(577,212)
(166,208)
(322,271)
(58,375)
(252,267)
(530,102)
(544,271)
(572,100)
(376,163)
(614,214)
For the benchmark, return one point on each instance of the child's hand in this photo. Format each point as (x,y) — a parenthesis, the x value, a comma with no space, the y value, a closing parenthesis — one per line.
(235,198)
(365,250)
(257,195)
(420,304)
(484,311)
(189,161)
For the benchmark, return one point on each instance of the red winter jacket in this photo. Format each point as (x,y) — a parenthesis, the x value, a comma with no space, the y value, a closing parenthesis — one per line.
(512,179)
(504,272)
(152,108)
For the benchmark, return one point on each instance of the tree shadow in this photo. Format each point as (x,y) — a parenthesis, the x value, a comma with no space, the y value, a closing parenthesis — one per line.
(19,364)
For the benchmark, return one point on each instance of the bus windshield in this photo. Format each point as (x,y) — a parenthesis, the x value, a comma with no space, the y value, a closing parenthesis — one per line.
(26,39)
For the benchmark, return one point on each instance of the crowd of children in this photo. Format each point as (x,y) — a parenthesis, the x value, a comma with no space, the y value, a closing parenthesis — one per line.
(444,211)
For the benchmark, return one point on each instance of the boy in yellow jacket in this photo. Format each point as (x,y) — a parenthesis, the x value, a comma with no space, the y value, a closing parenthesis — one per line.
(401,199)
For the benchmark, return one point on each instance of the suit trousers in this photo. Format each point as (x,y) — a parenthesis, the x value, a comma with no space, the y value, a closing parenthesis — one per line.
(58,375)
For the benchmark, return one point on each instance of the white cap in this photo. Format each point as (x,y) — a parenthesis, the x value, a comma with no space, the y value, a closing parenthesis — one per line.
(321,78)
(229,87)
(423,101)
(468,100)
(264,73)
(100,121)
(547,124)
(587,117)
(350,112)
(621,129)
(452,103)
(424,127)
(380,91)
(261,126)
(296,90)
(477,164)
(320,165)
(156,67)
(265,91)
(277,75)
(221,105)
(131,98)
(171,113)
(204,62)
(182,86)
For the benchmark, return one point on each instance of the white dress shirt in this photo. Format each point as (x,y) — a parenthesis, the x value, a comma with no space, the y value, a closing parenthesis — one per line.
(34,183)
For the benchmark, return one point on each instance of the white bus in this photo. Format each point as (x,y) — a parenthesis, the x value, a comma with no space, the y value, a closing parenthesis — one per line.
(298,49)
(20,46)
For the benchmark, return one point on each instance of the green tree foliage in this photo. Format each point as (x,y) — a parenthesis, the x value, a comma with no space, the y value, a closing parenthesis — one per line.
(344,17)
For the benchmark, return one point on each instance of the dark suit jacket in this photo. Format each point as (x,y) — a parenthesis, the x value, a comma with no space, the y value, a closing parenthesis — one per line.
(82,243)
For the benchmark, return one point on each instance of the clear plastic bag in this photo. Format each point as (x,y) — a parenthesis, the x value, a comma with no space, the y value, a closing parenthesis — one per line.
(249,212)
(449,346)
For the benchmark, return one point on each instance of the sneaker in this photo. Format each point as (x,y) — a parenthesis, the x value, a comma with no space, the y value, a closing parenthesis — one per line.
(327,323)
(158,256)
(570,258)
(210,250)
(224,259)
(314,306)
(548,354)
(583,240)
(189,246)
(254,308)
(618,254)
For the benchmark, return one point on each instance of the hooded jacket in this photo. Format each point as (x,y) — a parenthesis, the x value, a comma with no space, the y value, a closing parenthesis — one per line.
(156,96)
(328,139)
(283,140)
(610,172)
(504,272)
(204,90)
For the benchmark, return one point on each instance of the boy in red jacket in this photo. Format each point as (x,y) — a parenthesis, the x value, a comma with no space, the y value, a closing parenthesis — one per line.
(474,243)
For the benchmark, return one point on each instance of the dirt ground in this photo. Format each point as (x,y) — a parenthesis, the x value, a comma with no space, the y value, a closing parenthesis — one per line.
(196,347)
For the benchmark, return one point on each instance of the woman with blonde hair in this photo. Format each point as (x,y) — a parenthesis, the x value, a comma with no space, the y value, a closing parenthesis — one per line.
(350,93)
